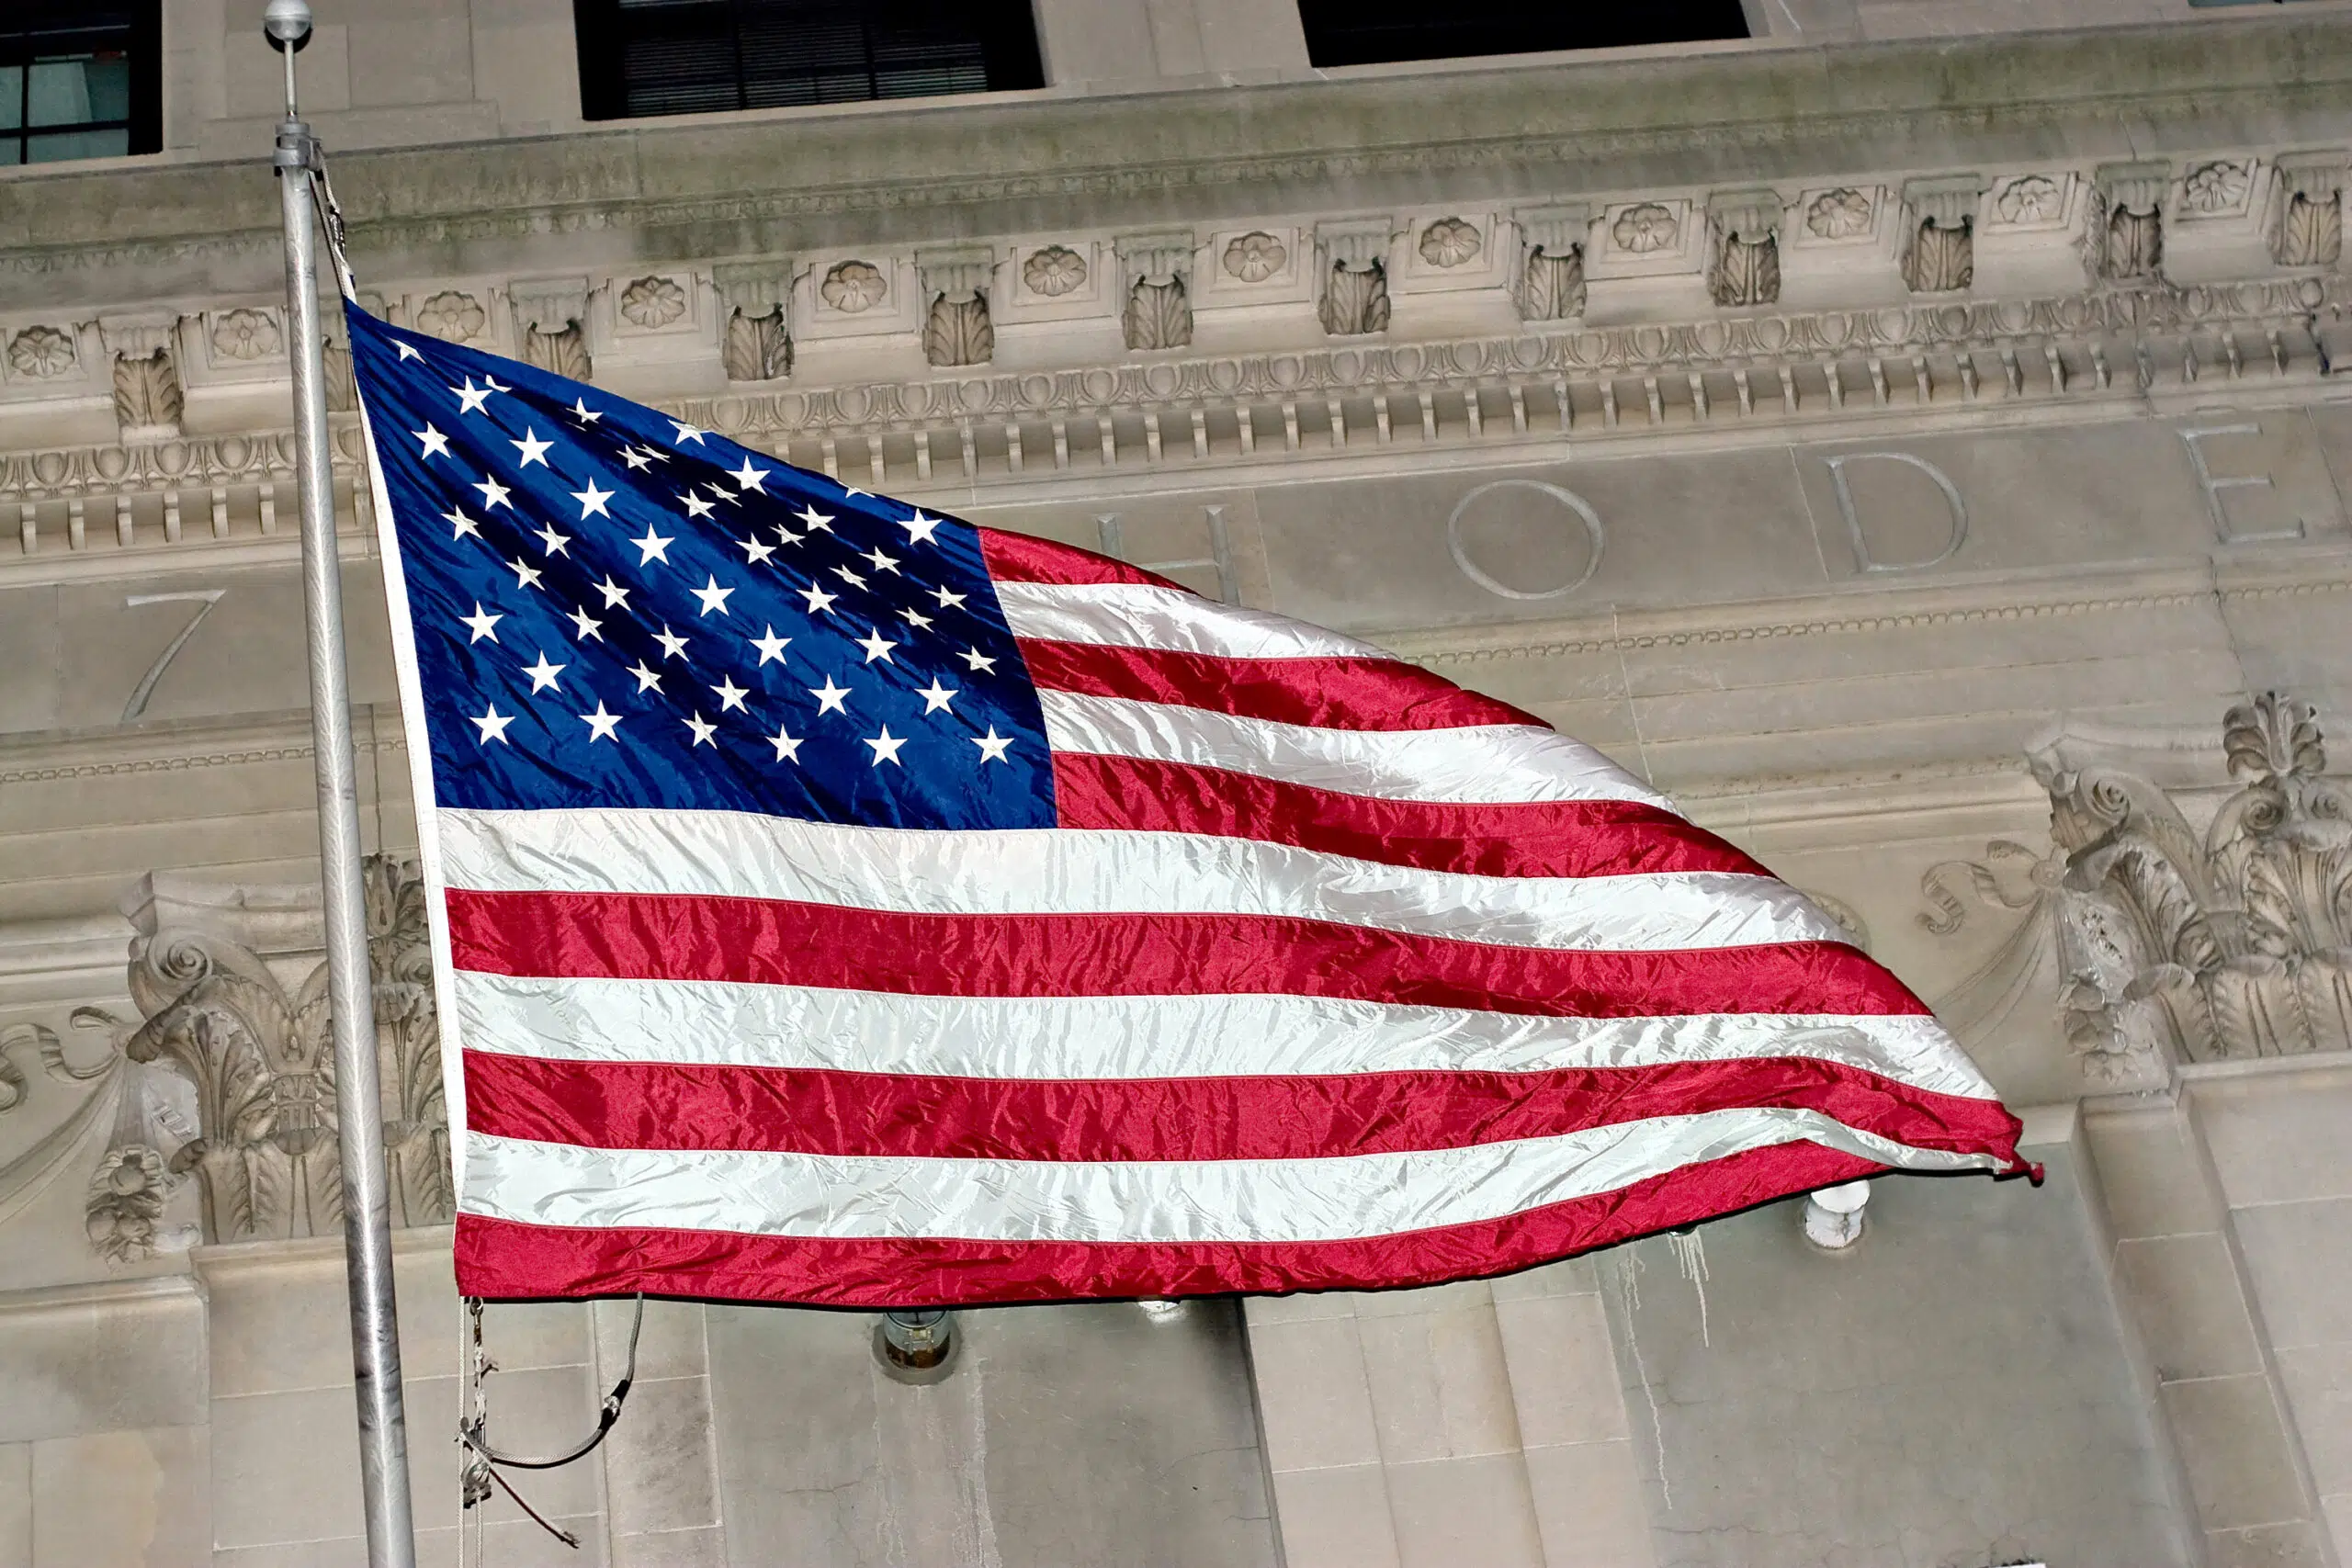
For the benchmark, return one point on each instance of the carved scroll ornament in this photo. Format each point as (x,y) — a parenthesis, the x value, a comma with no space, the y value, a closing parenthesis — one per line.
(227,1080)
(2172,943)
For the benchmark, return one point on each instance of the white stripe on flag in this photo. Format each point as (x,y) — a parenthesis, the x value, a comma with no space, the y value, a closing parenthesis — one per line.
(1136,615)
(1124,1200)
(1059,871)
(1483,765)
(738,1024)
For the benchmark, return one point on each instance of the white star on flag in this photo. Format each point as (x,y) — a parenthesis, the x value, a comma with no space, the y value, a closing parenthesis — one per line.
(493,494)
(771,646)
(534,450)
(977,660)
(586,626)
(817,598)
(647,680)
(920,528)
(935,697)
(947,601)
(882,562)
(696,507)
(460,525)
(713,596)
(749,477)
(829,697)
(471,398)
(992,745)
(555,541)
(814,520)
(614,594)
(494,725)
(731,695)
(886,748)
(483,623)
(653,547)
(635,459)
(407,351)
(543,674)
(435,444)
(787,749)
(602,726)
(704,730)
(583,413)
(672,646)
(524,576)
(687,433)
(877,646)
(753,551)
(592,502)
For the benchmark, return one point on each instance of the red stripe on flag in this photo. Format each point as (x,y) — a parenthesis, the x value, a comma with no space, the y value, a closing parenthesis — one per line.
(502,1258)
(663,1105)
(1330,693)
(1021,558)
(773,942)
(1544,838)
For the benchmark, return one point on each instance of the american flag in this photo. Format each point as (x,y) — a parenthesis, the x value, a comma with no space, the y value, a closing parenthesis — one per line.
(840,903)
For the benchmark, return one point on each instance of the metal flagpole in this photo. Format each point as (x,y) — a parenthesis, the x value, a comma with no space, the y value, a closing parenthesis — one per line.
(367,1204)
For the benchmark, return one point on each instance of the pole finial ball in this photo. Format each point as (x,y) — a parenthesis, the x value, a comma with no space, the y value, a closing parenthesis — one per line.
(288,23)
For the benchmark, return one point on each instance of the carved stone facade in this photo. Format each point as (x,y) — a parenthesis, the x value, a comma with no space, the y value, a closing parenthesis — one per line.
(1842,439)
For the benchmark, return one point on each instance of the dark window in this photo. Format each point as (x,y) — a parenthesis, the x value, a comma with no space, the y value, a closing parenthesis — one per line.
(1369,32)
(648,57)
(79,80)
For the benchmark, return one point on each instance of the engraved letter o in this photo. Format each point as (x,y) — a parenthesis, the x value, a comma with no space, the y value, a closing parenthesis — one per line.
(1485,580)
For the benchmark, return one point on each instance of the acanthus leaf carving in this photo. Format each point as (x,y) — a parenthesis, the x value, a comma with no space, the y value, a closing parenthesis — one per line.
(2174,944)
(234,1081)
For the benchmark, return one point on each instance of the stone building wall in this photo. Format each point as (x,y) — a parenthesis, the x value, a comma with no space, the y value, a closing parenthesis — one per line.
(1930,458)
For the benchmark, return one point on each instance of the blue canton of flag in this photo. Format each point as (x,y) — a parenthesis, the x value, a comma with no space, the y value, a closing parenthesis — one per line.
(611,608)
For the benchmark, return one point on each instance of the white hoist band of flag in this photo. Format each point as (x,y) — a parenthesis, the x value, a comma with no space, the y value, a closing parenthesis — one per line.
(838,903)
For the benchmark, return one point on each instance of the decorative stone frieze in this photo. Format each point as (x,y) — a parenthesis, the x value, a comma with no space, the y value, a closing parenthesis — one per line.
(1745,268)
(148,398)
(2186,928)
(2130,230)
(244,334)
(42,354)
(1255,257)
(958,330)
(852,287)
(2309,229)
(222,1089)
(1157,269)
(1355,277)
(1552,280)
(551,324)
(453,316)
(1940,257)
(756,342)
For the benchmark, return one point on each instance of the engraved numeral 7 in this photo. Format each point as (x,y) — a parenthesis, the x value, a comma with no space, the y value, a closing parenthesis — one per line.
(203,598)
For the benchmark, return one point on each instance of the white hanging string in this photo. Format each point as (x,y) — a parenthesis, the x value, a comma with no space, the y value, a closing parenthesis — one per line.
(1691,1257)
(1629,1295)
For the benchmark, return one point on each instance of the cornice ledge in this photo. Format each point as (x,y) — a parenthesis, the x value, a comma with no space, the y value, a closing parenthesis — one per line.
(1581,120)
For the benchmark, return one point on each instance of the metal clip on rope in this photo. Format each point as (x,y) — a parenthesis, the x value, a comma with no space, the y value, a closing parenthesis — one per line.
(490,1461)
